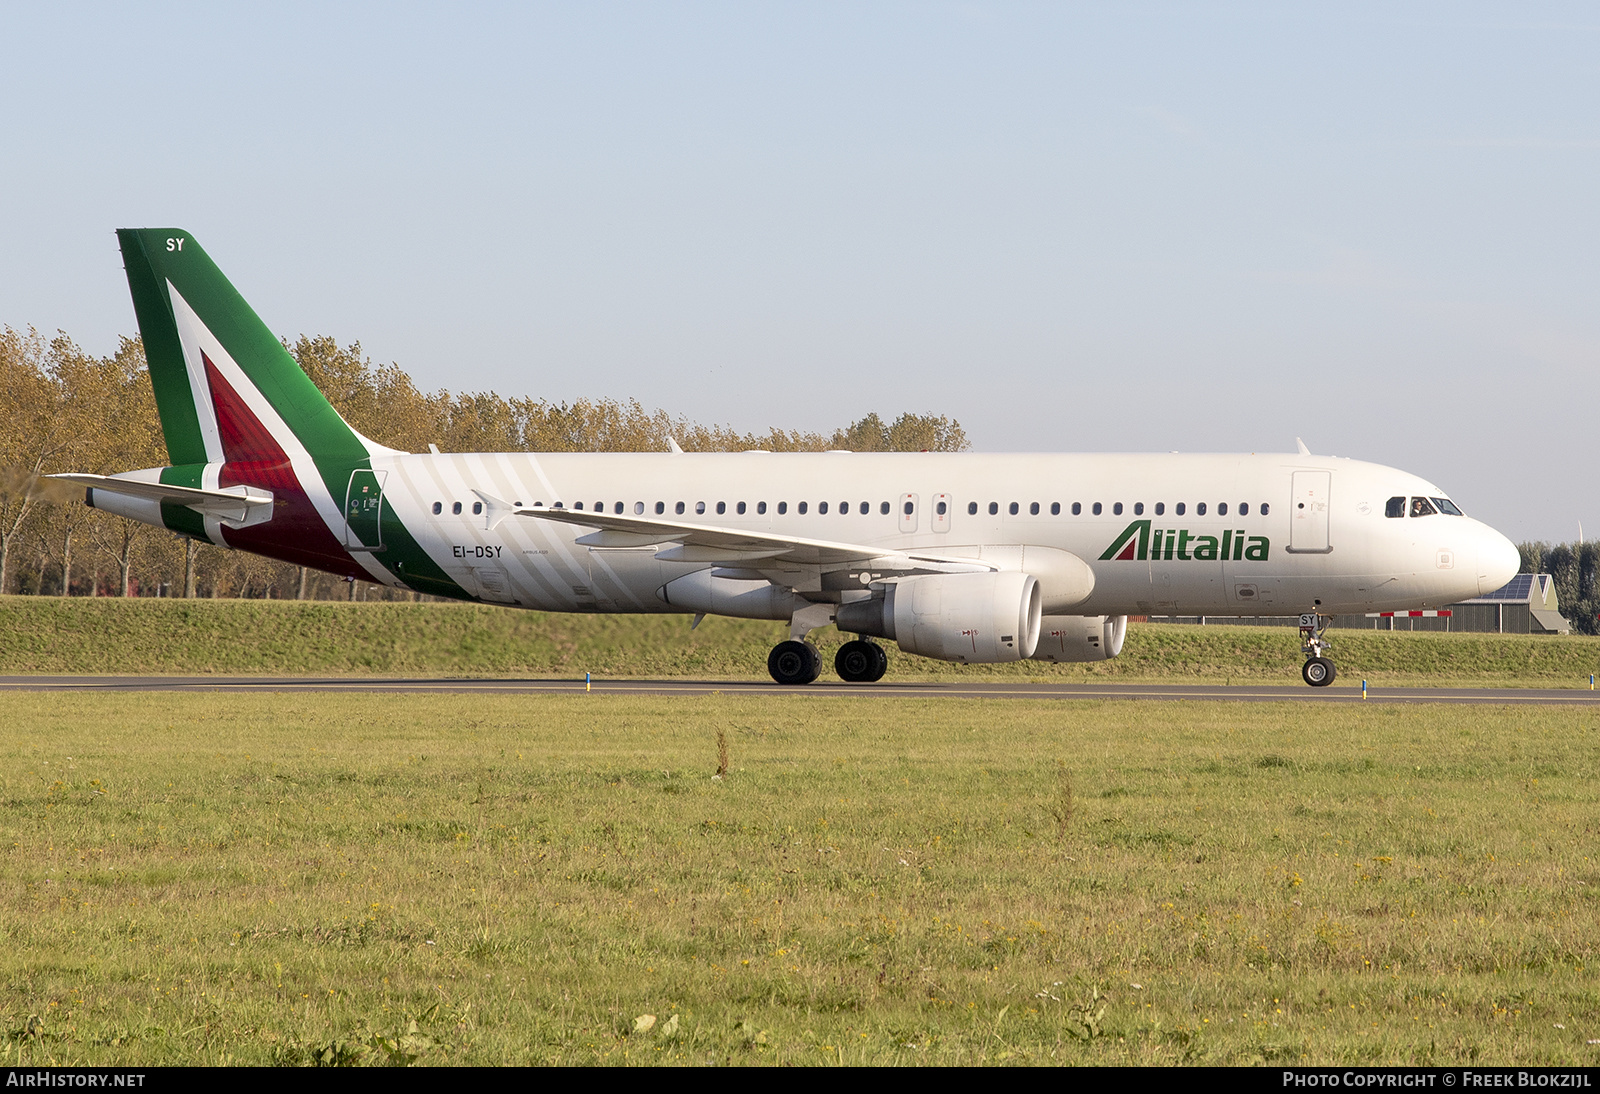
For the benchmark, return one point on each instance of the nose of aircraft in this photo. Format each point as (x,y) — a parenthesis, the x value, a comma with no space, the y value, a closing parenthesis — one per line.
(1498,560)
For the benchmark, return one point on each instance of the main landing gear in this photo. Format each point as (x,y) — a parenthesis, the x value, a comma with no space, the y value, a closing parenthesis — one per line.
(861,662)
(1318,671)
(799,662)
(794,662)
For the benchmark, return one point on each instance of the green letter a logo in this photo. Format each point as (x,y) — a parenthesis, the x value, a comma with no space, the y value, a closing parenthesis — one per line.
(1133,543)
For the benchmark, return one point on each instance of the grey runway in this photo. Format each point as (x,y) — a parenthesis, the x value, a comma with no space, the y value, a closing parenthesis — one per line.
(1252,693)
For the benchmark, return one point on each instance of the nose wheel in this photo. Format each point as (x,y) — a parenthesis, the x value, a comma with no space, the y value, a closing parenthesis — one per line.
(1318,671)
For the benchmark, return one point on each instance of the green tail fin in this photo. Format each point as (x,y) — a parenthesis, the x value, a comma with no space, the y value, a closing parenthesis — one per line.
(209,352)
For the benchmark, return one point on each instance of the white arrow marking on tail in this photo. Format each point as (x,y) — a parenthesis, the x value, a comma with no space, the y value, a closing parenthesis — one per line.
(197,338)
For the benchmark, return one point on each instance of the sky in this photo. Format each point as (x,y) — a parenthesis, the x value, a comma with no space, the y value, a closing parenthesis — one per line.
(1072,227)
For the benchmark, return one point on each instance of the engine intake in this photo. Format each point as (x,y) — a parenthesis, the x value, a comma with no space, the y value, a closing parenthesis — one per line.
(972,618)
(1080,637)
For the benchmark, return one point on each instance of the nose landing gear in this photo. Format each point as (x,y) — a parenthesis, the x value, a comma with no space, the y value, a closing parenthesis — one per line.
(1318,671)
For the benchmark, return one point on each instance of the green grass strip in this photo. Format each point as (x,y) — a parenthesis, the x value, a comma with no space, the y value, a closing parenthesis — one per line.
(371,879)
(112,635)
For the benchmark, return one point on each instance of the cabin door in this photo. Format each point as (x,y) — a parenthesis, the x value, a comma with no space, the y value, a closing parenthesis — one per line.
(1308,513)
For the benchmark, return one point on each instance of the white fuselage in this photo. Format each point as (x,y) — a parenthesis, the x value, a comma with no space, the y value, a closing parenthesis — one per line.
(1348,557)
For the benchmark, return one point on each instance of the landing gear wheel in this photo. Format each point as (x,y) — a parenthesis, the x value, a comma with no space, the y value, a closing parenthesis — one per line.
(794,663)
(861,662)
(1318,672)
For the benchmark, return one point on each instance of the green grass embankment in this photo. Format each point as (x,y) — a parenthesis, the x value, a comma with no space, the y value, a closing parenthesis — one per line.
(271,637)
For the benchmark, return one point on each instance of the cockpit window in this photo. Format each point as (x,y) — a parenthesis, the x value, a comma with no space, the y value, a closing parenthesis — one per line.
(1422,507)
(1396,507)
(1447,506)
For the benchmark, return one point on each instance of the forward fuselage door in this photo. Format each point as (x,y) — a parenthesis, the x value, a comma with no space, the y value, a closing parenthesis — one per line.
(1308,512)
(363,511)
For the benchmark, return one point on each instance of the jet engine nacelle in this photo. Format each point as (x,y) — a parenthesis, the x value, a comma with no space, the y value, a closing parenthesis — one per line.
(1080,637)
(972,618)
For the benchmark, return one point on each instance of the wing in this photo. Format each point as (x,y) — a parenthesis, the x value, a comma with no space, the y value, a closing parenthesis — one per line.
(685,542)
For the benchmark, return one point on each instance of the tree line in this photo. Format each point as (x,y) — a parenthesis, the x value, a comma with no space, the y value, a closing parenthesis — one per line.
(1575,570)
(62,409)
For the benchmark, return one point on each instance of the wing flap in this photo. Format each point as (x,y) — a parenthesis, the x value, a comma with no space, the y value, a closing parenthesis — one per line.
(710,543)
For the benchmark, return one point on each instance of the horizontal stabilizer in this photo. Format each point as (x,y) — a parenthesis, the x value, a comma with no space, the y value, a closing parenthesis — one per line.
(233,503)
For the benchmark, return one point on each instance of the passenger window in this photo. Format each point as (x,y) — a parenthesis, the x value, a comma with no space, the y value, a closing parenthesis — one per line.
(577,505)
(1097,509)
(1222,508)
(801,509)
(1448,507)
(1013,509)
(1161,508)
(1244,509)
(617,509)
(761,507)
(994,508)
(438,507)
(1034,509)
(700,507)
(1055,509)
(1116,509)
(1265,508)
(822,507)
(883,508)
(972,508)
(740,508)
(866,507)
(722,507)
(941,508)
(477,508)
(1138,508)
(678,509)
(844,509)
(910,508)
(456,509)
(1178,509)
(783,507)
(1422,507)
(1200,509)
(661,507)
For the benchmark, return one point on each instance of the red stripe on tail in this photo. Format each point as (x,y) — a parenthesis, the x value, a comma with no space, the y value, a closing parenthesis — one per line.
(296,533)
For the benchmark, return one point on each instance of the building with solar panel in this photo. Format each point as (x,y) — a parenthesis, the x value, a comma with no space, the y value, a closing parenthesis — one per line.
(1525,605)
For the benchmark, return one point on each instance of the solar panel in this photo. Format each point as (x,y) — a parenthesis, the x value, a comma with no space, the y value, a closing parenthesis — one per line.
(1517,588)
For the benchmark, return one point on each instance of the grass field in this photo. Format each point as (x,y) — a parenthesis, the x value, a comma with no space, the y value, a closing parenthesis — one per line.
(112,635)
(451,879)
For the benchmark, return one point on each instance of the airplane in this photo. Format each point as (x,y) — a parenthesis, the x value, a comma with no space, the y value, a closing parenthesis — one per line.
(965,557)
